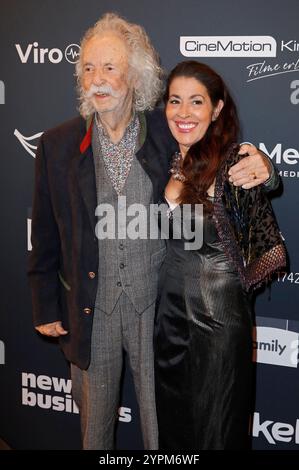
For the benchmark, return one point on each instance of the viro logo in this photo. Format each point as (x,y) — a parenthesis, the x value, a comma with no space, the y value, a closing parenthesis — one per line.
(2,353)
(39,55)
(275,432)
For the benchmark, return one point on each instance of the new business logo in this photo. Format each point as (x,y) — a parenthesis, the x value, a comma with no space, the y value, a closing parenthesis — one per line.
(228,46)
(54,393)
(276,346)
(35,388)
(39,55)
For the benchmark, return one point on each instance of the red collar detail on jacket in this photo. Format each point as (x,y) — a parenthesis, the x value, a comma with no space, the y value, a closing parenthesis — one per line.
(86,139)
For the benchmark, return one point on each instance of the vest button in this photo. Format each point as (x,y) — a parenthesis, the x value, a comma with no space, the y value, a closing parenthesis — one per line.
(121,246)
(91,275)
(118,284)
(87,310)
(121,265)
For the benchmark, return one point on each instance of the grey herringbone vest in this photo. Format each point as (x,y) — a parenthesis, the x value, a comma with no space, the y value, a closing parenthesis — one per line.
(125,264)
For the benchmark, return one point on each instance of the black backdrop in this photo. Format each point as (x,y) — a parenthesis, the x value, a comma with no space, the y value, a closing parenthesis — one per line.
(37,91)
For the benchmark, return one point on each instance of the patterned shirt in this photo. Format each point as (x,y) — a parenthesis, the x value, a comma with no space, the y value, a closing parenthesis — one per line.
(118,157)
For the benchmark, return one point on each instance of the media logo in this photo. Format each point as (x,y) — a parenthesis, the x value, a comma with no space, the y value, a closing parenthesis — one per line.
(39,55)
(275,432)
(2,92)
(288,156)
(2,353)
(275,346)
(34,388)
(25,141)
(228,46)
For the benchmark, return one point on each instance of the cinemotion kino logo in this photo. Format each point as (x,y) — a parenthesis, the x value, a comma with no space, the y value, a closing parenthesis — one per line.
(228,46)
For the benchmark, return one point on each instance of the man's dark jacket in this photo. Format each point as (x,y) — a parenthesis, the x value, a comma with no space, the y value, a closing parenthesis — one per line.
(65,252)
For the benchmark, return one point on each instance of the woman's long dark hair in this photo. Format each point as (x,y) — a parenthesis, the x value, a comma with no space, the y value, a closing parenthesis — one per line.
(203,158)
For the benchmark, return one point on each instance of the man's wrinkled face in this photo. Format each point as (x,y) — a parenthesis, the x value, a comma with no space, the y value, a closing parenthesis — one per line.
(105,77)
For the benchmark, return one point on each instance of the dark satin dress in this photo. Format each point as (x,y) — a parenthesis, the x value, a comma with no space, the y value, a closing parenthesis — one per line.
(203,348)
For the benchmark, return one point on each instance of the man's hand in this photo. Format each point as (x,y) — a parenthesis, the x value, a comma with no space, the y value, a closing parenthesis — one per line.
(251,170)
(52,329)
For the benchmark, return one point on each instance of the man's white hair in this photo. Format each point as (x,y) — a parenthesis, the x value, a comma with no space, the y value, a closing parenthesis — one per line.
(143,63)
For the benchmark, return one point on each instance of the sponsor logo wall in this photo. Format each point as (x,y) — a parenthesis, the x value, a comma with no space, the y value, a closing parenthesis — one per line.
(255,46)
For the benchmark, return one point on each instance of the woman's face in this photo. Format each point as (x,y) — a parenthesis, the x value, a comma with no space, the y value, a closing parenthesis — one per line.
(189,111)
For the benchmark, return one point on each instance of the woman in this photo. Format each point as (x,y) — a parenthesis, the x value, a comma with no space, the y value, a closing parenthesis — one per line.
(203,323)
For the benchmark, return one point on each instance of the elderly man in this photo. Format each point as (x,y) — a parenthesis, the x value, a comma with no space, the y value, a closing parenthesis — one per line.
(98,295)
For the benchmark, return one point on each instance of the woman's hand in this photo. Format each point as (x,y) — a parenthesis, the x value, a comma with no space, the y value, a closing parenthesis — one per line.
(252,170)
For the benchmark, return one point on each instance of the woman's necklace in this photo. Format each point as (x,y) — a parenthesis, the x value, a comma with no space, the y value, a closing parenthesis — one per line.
(176,167)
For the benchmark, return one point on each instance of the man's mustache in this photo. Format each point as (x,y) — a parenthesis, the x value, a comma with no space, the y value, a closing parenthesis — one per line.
(104,89)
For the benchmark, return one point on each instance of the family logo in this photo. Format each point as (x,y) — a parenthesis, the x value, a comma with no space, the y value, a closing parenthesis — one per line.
(26,142)
(228,46)
(39,55)
(275,346)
